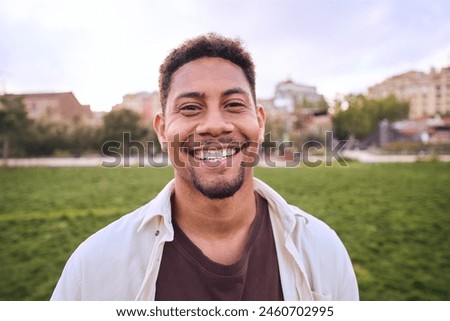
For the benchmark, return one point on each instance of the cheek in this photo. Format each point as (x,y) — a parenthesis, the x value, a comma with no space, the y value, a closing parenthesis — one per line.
(177,131)
(252,131)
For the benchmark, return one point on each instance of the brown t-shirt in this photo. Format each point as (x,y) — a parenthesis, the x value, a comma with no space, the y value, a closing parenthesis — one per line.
(187,274)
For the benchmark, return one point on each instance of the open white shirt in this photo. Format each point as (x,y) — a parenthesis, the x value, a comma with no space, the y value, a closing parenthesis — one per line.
(122,260)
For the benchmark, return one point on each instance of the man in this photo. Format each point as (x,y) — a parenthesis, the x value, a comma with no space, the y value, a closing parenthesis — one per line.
(214,232)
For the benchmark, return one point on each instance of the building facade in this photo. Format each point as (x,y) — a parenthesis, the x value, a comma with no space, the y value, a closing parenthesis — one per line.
(144,103)
(289,94)
(55,107)
(427,93)
(296,113)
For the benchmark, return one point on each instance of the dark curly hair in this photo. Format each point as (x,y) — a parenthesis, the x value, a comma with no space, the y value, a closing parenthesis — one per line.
(209,45)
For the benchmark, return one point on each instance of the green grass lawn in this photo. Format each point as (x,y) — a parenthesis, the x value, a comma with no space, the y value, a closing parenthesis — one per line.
(393,218)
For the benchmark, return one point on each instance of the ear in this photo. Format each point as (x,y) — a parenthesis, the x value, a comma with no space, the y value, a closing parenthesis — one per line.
(261,115)
(159,125)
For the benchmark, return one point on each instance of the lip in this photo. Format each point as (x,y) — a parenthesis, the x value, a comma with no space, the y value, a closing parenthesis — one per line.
(215,154)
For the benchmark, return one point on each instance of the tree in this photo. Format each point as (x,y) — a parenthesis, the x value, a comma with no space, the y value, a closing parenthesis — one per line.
(321,104)
(45,138)
(83,138)
(363,115)
(275,130)
(14,123)
(121,127)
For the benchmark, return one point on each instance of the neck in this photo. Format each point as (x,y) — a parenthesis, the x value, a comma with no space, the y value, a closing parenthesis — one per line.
(198,215)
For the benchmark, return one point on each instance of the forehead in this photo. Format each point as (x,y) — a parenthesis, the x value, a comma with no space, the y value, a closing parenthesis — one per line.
(206,74)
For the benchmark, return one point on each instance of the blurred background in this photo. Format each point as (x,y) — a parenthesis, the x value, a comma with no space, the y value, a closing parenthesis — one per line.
(321,65)
(375,74)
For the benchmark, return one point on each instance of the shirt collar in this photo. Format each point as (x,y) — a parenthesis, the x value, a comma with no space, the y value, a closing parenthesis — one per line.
(279,207)
(160,206)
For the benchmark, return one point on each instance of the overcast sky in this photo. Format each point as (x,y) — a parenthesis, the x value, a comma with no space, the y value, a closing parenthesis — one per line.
(103,49)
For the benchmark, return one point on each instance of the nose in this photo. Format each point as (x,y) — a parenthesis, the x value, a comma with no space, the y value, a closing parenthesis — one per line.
(214,123)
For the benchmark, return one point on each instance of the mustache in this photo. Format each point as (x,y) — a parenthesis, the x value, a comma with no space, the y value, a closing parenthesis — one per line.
(191,144)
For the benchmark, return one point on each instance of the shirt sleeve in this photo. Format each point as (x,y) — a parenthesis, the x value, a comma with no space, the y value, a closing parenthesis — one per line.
(68,287)
(347,287)
(327,263)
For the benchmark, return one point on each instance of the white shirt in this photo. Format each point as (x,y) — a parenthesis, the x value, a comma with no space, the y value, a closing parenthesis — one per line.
(122,260)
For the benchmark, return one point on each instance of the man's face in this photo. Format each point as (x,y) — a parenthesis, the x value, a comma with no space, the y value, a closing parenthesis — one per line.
(211,126)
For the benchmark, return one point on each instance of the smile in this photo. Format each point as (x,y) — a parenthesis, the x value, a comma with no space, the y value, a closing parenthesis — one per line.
(216,155)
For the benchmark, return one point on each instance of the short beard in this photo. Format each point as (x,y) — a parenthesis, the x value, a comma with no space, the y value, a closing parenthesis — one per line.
(222,189)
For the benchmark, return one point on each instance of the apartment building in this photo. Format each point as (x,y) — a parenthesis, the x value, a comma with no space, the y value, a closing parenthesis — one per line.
(289,93)
(58,107)
(144,103)
(296,111)
(427,93)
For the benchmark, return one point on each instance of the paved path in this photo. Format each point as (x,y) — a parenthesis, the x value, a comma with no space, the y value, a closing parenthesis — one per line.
(93,161)
(157,161)
(367,157)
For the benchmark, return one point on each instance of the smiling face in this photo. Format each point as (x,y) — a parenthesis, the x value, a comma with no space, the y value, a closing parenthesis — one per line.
(211,126)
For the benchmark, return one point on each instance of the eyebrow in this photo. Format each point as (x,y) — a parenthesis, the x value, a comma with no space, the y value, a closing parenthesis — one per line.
(191,94)
(200,95)
(233,91)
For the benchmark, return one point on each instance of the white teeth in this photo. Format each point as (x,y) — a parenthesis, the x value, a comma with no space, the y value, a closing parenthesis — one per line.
(215,155)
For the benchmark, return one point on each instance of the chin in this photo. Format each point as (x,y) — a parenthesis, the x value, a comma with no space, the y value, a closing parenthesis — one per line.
(221,187)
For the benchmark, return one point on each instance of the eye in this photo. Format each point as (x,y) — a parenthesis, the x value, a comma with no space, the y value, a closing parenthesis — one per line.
(189,109)
(235,104)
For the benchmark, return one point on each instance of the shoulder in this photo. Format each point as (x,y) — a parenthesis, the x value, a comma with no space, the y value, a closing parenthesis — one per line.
(100,267)
(314,236)
(316,248)
(312,229)
(111,264)
(325,259)
(300,225)
(115,235)
(133,229)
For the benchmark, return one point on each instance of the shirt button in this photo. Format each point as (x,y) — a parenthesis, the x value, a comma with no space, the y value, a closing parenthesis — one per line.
(157,233)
